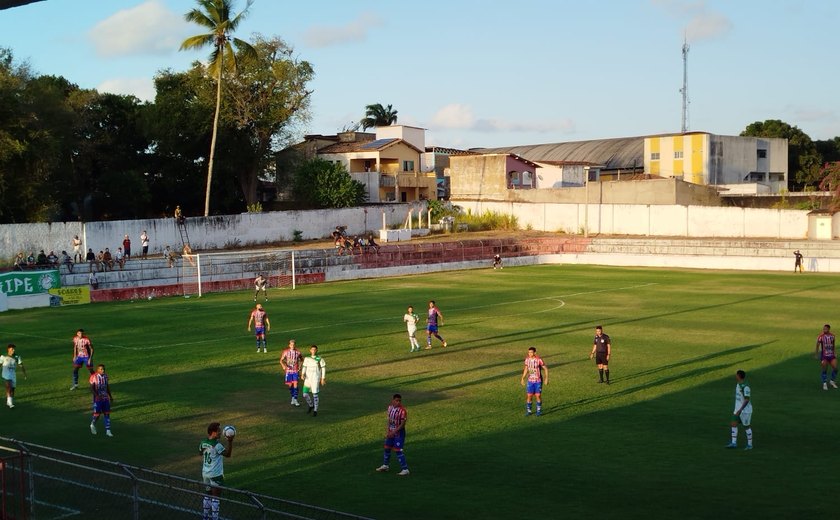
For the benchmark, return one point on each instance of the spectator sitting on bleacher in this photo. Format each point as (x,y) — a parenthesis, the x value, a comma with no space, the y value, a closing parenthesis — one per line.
(90,258)
(119,258)
(65,259)
(52,260)
(30,260)
(169,254)
(371,244)
(100,261)
(42,260)
(108,260)
(20,262)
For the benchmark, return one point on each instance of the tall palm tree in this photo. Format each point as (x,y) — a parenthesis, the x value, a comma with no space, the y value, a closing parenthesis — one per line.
(377,115)
(215,16)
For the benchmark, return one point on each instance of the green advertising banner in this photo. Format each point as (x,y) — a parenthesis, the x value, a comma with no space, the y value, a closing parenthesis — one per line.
(21,283)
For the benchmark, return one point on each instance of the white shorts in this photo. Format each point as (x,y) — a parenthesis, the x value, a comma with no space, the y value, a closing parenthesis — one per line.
(12,379)
(745,418)
(412,331)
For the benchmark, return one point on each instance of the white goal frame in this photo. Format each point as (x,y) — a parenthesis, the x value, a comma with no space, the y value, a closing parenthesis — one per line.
(231,271)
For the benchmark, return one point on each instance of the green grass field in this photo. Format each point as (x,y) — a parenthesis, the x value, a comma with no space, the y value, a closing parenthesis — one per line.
(648,446)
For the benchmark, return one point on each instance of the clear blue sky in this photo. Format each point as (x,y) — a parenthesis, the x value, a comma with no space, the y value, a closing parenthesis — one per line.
(486,72)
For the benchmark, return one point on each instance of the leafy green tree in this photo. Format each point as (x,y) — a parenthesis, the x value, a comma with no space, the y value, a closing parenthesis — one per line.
(267,101)
(323,184)
(378,115)
(215,16)
(830,174)
(829,149)
(803,159)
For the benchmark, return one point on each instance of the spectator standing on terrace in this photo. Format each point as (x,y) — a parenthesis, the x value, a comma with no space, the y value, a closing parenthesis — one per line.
(144,242)
(93,280)
(76,243)
(127,248)
(179,216)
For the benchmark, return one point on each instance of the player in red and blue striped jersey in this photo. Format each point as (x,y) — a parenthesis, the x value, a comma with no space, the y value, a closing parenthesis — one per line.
(290,360)
(261,324)
(432,325)
(827,354)
(82,355)
(101,399)
(395,436)
(534,368)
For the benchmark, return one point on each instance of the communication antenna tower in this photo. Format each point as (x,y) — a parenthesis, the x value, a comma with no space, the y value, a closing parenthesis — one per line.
(684,89)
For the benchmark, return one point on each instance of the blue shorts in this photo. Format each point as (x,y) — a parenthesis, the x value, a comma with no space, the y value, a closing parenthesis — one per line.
(79,361)
(259,331)
(533,387)
(291,378)
(396,442)
(102,406)
(432,329)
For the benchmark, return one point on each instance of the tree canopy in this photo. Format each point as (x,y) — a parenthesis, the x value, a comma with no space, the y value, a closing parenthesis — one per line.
(323,184)
(378,115)
(803,159)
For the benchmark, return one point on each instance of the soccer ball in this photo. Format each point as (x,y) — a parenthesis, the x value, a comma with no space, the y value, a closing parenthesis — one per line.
(229,431)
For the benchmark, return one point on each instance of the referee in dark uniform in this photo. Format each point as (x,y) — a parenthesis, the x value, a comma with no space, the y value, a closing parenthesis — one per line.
(601,349)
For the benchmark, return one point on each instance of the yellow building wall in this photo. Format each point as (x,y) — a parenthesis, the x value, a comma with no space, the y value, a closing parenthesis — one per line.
(698,156)
(654,148)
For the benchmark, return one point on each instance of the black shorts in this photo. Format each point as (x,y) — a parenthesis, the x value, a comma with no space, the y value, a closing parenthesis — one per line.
(601,358)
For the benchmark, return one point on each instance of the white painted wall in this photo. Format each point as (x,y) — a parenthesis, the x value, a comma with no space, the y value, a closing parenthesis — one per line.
(652,220)
(246,229)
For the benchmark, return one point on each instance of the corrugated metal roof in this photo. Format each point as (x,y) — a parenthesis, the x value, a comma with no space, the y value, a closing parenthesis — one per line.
(612,154)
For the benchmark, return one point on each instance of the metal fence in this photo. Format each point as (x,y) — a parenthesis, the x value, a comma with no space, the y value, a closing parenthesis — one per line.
(42,483)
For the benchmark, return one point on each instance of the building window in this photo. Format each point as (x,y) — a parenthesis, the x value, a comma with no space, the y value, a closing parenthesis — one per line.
(678,155)
(408,166)
(654,156)
(762,154)
(755,177)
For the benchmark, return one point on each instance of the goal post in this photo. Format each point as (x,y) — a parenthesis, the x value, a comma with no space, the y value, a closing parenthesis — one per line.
(219,272)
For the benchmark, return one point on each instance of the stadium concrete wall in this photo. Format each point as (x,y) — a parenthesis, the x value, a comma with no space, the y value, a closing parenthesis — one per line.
(205,233)
(652,220)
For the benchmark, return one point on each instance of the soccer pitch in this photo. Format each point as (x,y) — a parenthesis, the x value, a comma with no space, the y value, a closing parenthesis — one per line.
(651,445)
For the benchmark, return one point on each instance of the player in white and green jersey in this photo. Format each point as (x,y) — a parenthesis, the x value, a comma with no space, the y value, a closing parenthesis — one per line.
(212,468)
(10,362)
(313,374)
(743,411)
(411,318)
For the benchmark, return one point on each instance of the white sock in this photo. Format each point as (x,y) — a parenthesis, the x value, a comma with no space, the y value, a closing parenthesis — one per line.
(749,436)
(734,434)
(214,508)
(317,400)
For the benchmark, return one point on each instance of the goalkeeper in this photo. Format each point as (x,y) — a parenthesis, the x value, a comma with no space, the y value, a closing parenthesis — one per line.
(261,284)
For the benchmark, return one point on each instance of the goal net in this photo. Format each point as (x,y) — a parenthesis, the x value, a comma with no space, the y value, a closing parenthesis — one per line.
(220,272)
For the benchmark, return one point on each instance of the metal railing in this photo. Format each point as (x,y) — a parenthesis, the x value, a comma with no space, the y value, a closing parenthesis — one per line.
(52,484)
